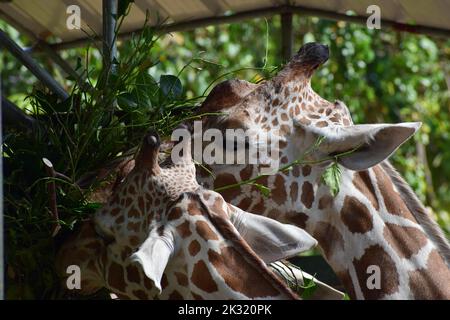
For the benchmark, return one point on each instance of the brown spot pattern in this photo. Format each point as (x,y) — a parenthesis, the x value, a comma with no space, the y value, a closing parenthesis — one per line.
(133,274)
(306,170)
(329,238)
(194,247)
(392,200)
(279,194)
(294,191)
(175,295)
(164,282)
(133,213)
(228,261)
(116,278)
(295,171)
(362,182)
(194,209)
(205,231)
(307,194)
(389,282)
(140,294)
(225,179)
(245,203)
(196,296)
(432,282)
(181,279)
(297,218)
(246,173)
(406,241)
(184,230)
(346,280)
(325,202)
(356,216)
(174,214)
(201,277)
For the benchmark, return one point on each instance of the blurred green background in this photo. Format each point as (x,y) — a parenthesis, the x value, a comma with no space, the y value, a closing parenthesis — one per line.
(382,76)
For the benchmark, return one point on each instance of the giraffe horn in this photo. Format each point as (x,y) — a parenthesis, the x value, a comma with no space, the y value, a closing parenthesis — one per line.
(308,58)
(148,154)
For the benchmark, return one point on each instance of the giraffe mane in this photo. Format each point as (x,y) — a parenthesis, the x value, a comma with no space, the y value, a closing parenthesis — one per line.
(227,230)
(418,210)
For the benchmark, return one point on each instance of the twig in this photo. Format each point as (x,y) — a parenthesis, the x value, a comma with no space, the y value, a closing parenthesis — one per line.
(52,195)
(298,162)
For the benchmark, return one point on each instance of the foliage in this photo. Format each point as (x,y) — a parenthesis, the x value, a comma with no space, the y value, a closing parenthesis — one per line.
(79,136)
(382,75)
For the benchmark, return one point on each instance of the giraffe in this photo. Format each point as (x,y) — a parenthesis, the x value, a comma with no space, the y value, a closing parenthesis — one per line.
(162,236)
(375,224)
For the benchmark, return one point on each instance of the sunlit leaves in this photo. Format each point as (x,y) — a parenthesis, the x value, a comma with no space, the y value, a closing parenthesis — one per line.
(332,178)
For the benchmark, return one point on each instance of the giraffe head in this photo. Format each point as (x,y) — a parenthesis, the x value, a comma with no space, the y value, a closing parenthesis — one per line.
(162,235)
(287,107)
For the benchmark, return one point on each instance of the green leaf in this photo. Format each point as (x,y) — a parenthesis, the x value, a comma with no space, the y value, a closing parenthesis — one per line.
(318,142)
(171,86)
(265,191)
(346,297)
(122,7)
(332,178)
(127,101)
(309,288)
(145,91)
(148,34)
(78,66)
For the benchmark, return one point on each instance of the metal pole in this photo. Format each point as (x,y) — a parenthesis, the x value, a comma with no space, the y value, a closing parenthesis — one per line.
(109,26)
(12,115)
(2,234)
(287,36)
(32,65)
(41,45)
(63,64)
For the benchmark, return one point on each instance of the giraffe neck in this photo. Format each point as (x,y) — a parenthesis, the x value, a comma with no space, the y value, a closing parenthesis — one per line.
(211,262)
(214,259)
(374,242)
(367,224)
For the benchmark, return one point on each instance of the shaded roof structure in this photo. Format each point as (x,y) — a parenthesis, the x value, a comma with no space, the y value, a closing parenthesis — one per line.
(46,20)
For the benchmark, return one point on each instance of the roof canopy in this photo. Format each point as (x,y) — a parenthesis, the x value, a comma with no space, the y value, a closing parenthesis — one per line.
(42,19)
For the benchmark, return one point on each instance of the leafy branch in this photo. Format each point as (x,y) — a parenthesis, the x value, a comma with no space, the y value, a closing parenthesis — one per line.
(331,175)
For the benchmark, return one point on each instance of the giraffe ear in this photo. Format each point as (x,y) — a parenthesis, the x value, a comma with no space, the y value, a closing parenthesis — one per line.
(373,143)
(153,256)
(270,239)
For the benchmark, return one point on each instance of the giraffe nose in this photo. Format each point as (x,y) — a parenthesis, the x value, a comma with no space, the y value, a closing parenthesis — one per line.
(314,53)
